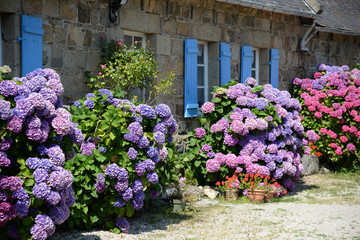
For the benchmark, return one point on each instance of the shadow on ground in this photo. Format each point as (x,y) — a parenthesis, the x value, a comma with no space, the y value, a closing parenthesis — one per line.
(302,186)
(157,216)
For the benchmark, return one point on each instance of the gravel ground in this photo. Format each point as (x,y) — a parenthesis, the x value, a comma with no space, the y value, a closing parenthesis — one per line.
(292,218)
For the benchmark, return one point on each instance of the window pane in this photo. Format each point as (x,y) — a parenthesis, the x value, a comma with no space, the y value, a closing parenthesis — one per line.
(128,40)
(139,39)
(200,77)
(253,65)
(253,74)
(201,97)
(201,54)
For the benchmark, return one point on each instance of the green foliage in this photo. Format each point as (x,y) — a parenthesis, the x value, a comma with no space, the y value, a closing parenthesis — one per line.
(105,124)
(131,69)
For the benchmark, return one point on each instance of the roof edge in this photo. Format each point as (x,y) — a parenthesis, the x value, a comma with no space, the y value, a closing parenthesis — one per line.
(271,9)
(338,30)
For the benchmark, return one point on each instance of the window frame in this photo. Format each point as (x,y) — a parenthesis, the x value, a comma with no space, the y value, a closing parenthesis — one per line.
(134,34)
(256,55)
(205,87)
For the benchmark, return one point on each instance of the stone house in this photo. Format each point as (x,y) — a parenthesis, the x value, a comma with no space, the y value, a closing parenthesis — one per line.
(206,42)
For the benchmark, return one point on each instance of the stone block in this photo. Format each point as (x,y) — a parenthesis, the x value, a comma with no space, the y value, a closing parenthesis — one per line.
(48,33)
(130,20)
(198,13)
(206,32)
(209,16)
(163,44)
(182,28)
(68,12)
(149,5)
(56,57)
(168,26)
(10,6)
(46,55)
(220,17)
(80,59)
(60,35)
(51,8)
(94,16)
(262,24)
(260,39)
(311,165)
(75,36)
(34,6)
(88,38)
(84,13)
(177,47)
(180,67)
(249,22)
(70,58)
(277,41)
(186,11)
(93,60)
(235,53)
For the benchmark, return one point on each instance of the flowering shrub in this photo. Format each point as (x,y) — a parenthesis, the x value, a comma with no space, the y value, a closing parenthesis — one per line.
(129,68)
(249,129)
(331,108)
(123,159)
(37,135)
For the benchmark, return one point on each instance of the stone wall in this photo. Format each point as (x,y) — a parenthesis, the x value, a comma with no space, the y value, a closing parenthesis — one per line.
(73,27)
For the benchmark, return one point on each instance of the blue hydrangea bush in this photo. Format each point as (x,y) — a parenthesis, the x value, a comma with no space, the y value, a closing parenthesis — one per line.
(122,161)
(249,129)
(36,138)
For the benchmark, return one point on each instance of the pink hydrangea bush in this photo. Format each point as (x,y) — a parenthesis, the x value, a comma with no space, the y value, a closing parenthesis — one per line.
(331,101)
(249,129)
(36,138)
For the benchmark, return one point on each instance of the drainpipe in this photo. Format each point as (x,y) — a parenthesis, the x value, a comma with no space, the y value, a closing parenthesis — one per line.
(312,30)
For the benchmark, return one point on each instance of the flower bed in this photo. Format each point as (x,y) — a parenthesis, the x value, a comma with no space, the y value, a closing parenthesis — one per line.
(249,129)
(37,136)
(331,107)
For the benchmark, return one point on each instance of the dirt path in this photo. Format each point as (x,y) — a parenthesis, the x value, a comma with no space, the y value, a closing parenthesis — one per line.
(298,216)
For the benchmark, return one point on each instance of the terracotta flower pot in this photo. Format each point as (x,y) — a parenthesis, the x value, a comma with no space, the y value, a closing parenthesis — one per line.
(231,194)
(269,196)
(256,195)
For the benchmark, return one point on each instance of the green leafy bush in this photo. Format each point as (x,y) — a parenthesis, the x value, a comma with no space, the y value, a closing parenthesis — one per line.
(129,68)
(124,160)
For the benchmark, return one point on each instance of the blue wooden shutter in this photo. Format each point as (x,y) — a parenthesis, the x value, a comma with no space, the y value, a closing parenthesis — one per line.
(190,78)
(225,63)
(274,67)
(246,63)
(31,45)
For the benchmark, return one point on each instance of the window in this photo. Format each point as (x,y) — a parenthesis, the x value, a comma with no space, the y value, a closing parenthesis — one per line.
(261,64)
(198,56)
(255,68)
(202,73)
(130,38)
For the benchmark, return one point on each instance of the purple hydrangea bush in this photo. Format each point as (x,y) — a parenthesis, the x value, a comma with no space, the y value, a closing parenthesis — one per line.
(37,135)
(127,146)
(249,129)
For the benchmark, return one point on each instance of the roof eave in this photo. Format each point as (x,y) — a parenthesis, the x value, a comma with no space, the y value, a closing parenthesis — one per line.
(339,31)
(271,9)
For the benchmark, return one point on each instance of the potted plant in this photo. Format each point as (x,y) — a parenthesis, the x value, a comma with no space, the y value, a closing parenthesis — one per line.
(230,187)
(255,186)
